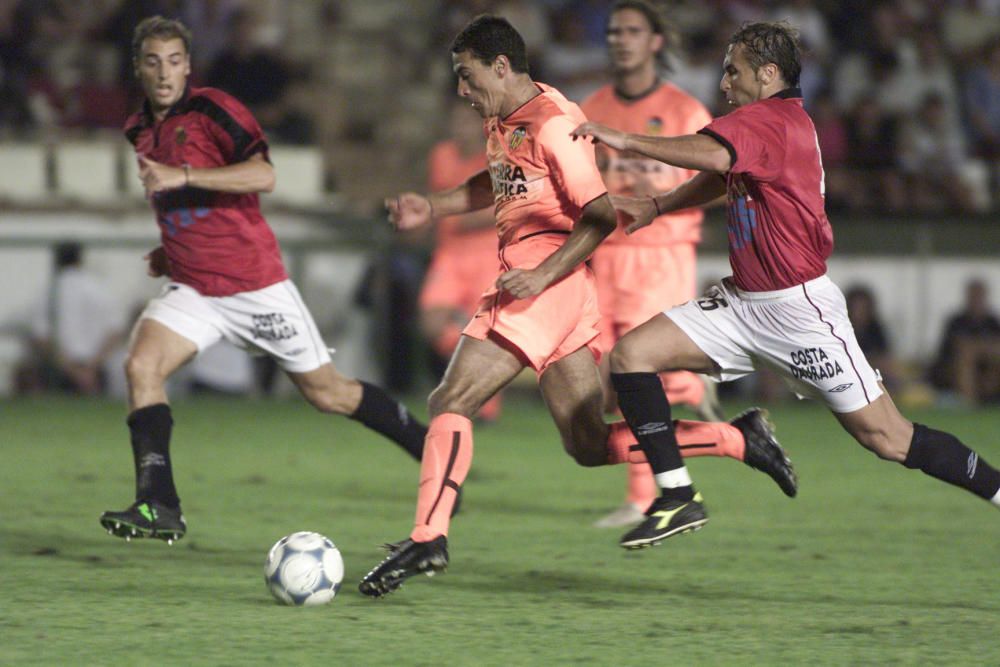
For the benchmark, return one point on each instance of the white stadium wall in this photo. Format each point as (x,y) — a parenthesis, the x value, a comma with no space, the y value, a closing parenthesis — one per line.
(915,295)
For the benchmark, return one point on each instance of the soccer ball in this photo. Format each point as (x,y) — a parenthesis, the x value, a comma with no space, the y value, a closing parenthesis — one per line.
(304,569)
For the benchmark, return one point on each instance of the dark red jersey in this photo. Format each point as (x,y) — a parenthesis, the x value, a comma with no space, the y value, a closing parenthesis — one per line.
(217,242)
(779,235)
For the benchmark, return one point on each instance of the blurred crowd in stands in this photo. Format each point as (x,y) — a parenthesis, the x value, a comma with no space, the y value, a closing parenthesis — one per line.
(68,64)
(905,93)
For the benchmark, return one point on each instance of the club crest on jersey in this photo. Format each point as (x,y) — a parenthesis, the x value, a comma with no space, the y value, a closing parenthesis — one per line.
(180,135)
(516,137)
(654,125)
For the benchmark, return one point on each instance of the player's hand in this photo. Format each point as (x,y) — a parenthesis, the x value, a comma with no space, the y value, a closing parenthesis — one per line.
(408,210)
(601,133)
(634,213)
(158,177)
(157,263)
(522,283)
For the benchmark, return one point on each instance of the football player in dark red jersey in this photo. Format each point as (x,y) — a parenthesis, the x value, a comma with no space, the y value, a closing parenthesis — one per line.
(778,309)
(203,161)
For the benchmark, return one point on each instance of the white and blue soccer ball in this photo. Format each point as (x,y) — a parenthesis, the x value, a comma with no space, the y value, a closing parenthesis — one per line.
(304,568)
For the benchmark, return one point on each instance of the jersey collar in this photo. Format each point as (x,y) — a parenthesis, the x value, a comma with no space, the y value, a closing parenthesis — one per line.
(629,99)
(787,93)
(179,107)
(516,111)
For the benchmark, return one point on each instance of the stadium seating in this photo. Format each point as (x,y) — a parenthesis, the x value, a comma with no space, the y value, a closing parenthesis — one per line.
(130,169)
(87,171)
(299,172)
(23,172)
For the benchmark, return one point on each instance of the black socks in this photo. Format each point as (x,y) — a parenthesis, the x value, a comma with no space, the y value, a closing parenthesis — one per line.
(943,456)
(389,417)
(647,411)
(154,479)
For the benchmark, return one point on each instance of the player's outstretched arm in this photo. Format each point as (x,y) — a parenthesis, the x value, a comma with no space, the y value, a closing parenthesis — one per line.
(253,175)
(597,221)
(701,190)
(691,151)
(409,210)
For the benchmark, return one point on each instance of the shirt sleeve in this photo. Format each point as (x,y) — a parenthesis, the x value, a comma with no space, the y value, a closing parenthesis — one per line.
(754,140)
(572,163)
(696,116)
(233,127)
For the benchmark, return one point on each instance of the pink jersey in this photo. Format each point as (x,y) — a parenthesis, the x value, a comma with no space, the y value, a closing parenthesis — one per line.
(665,111)
(217,242)
(779,235)
(542,179)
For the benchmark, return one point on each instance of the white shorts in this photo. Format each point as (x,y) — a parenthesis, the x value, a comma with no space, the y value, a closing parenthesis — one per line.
(802,333)
(272,321)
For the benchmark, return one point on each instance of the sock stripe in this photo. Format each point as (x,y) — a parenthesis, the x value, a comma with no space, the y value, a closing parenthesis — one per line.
(697,445)
(456,437)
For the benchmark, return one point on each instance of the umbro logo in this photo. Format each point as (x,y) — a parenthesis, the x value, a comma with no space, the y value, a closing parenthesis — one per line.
(840,387)
(152,459)
(650,428)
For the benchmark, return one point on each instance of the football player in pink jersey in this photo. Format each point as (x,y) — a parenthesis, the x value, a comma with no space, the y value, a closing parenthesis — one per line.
(552,209)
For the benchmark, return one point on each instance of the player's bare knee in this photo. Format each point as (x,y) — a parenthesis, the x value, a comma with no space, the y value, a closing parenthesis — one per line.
(447,398)
(587,446)
(587,457)
(629,358)
(142,370)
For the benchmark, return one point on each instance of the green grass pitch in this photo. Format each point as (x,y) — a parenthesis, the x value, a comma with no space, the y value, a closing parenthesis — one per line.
(871,564)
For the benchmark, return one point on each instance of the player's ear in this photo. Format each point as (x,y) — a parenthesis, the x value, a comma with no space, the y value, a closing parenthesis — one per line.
(501,65)
(767,73)
(658,42)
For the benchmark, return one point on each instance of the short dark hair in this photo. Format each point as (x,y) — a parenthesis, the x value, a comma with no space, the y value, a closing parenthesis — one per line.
(160,28)
(771,42)
(657,23)
(487,37)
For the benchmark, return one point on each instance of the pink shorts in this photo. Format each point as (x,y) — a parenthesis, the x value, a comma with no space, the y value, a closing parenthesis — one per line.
(547,327)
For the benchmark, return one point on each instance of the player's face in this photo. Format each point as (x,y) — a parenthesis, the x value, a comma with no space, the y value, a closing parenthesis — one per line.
(479,83)
(632,44)
(739,81)
(163,68)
